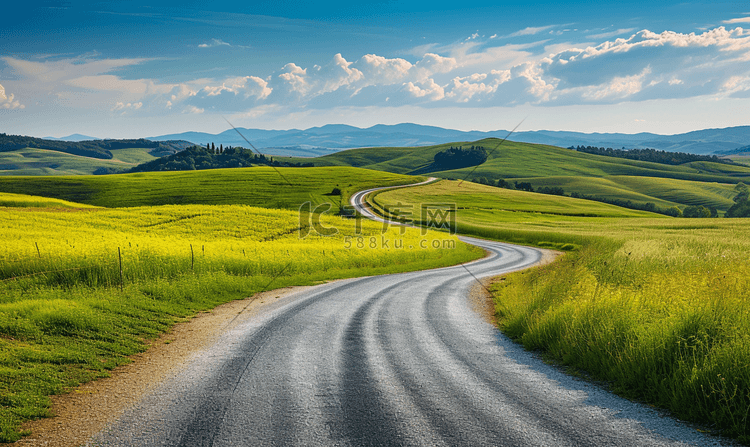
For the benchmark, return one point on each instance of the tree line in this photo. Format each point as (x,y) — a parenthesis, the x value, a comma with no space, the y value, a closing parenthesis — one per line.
(741,207)
(652,155)
(459,157)
(93,148)
(212,157)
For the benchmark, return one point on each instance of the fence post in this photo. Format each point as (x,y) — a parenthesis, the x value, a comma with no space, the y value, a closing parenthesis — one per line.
(37,250)
(192,257)
(119,257)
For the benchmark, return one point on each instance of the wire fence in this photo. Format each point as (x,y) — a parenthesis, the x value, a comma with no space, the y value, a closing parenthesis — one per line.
(47,272)
(99,263)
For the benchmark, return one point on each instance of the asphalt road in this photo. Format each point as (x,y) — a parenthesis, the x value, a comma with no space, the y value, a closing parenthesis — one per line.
(386,360)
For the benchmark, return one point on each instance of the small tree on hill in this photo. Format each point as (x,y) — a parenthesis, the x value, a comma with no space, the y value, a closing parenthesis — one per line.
(524,186)
(696,211)
(741,207)
(673,211)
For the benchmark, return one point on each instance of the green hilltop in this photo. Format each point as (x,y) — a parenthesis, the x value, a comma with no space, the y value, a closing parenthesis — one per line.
(633,183)
(605,178)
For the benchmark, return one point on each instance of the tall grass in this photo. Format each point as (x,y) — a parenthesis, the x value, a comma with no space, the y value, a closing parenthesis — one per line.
(658,308)
(64,319)
(669,331)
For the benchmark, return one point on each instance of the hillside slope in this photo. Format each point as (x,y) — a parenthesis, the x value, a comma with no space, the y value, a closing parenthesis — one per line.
(35,161)
(697,183)
(258,186)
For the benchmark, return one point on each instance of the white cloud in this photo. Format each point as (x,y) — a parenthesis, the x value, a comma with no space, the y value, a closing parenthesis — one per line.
(643,66)
(618,88)
(737,86)
(8,101)
(738,20)
(66,69)
(464,89)
(193,109)
(608,34)
(431,64)
(428,90)
(136,88)
(294,79)
(380,70)
(178,94)
(532,74)
(370,70)
(531,30)
(214,43)
(82,82)
(246,86)
(335,74)
(127,106)
(702,62)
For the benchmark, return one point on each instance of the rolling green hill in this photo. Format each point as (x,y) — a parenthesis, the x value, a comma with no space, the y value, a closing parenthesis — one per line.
(517,160)
(258,186)
(34,161)
(697,183)
(663,192)
(741,159)
(474,201)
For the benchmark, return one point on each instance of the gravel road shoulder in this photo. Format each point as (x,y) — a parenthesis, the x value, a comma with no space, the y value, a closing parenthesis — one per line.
(480,298)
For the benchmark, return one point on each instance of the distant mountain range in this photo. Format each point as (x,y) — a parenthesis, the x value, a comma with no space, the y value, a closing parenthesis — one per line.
(317,141)
(76,137)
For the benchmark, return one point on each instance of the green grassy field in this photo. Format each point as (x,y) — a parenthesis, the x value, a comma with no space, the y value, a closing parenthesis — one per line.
(741,159)
(653,305)
(31,161)
(63,318)
(520,160)
(65,321)
(517,160)
(487,198)
(657,308)
(662,192)
(698,183)
(257,186)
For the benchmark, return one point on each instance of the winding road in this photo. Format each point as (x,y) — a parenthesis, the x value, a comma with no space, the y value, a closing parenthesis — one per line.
(387,360)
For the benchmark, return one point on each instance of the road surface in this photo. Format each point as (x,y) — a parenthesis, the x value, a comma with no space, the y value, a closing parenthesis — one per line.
(387,360)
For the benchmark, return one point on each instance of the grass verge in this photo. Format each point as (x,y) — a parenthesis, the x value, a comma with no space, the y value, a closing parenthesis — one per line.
(656,307)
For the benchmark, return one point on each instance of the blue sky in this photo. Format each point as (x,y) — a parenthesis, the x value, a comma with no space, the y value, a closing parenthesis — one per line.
(134,69)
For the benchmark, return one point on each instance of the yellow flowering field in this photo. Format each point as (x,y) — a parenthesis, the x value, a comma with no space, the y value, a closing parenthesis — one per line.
(67,315)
